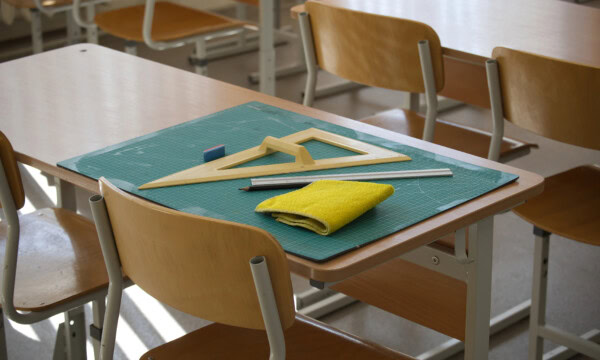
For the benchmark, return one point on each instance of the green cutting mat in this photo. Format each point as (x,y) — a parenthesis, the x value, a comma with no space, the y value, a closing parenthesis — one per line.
(146,158)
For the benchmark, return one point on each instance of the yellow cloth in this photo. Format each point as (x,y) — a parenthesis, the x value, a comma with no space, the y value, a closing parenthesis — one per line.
(325,205)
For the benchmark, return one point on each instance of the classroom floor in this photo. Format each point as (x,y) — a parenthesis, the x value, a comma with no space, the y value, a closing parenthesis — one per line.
(573,289)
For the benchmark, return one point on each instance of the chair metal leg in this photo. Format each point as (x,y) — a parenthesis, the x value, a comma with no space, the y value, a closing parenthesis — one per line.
(37,42)
(537,315)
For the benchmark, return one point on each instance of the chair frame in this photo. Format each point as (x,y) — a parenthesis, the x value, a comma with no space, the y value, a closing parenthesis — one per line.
(538,329)
(72,309)
(258,266)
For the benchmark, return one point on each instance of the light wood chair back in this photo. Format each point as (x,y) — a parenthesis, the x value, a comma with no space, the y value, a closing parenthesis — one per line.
(11,171)
(371,49)
(195,264)
(557,99)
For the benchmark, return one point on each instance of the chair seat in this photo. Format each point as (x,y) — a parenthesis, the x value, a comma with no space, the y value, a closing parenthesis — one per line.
(306,339)
(171,21)
(569,205)
(59,259)
(459,137)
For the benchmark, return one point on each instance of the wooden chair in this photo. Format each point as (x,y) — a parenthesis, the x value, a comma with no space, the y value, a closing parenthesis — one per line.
(163,25)
(59,259)
(232,274)
(561,101)
(395,54)
(392,65)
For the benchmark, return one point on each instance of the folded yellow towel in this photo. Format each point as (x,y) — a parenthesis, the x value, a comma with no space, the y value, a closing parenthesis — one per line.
(326,205)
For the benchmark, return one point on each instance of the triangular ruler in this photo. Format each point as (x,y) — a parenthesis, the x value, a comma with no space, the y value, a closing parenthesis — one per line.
(223,168)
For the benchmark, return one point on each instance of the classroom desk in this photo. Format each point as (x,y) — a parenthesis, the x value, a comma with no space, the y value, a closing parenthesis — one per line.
(81,98)
(470,29)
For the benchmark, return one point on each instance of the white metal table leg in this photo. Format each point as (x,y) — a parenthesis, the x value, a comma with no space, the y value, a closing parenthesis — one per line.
(65,195)
(74,332)
(241,14)
(91,33)
(59,344)
(479,289)
(200,61)
(73,30)
(267,49)
(537,317)
(37,42)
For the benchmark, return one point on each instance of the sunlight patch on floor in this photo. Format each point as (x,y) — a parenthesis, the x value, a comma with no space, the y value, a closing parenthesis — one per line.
(166,326)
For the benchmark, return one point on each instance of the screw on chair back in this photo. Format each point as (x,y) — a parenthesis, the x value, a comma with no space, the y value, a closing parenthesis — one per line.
(195,264)
(11,171)
(557,99)
(357,46)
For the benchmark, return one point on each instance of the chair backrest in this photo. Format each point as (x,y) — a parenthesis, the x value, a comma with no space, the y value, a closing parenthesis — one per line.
(557,99)
(11,170)
(372,49)
(195,264)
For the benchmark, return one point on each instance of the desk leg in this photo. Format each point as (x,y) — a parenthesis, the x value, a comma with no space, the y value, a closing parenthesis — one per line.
(37,43)
(65,195)
(74,332)
(91,33)
(98,310)
(479,289)
(73,30)
(267,50)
